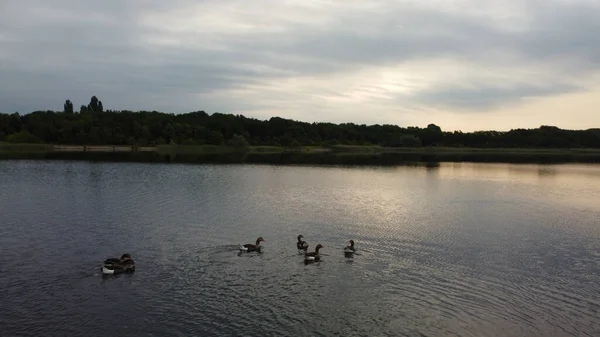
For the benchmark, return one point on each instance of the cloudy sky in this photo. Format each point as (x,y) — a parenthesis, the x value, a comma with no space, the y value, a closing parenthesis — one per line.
(461,64)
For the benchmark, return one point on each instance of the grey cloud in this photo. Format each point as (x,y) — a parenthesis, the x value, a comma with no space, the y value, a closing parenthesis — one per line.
(149,87)
(556,30)
(99,48)
(487,97)
(53,61)
(567,34)
(404,35)
(563,36)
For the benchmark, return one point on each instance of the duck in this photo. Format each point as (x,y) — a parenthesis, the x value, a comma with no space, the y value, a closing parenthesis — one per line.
(112,266)
(313,256)
(349,249)
(301,244)
(252,247)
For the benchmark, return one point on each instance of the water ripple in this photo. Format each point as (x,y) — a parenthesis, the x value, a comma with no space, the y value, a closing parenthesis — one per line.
(440,252)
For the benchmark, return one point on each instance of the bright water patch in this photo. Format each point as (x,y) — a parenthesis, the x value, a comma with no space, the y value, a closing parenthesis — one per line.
(457,250)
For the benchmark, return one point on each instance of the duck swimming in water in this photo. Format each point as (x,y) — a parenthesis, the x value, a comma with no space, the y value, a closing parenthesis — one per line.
(349,250)
(112,266)
(252,248)
(313,256)
(301,244)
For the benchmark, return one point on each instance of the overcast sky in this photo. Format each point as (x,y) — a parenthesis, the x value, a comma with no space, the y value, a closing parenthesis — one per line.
(461,64)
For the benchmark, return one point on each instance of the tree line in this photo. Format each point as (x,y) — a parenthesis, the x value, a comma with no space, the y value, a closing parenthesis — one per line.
(92,125)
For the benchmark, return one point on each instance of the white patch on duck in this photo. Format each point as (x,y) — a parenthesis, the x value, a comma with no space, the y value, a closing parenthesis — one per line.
(112,266)
(301,244)
(252,247)
(349,250)
(313,256)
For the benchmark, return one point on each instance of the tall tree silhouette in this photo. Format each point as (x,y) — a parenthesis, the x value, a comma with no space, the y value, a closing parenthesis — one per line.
(95,105)
(68,107)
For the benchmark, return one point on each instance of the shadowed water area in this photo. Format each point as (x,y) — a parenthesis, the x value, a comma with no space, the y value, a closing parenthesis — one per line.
(453,249)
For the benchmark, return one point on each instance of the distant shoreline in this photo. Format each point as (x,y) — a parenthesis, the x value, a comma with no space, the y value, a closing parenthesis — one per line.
(429,157)
(336,149)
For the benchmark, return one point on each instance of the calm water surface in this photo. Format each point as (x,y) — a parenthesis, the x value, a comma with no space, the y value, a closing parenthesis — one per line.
(457,250)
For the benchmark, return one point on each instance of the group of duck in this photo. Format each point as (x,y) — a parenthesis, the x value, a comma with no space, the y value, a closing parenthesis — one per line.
(125,264)
(302,246)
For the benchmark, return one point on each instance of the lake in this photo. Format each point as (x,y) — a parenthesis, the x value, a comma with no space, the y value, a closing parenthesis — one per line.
(453,249)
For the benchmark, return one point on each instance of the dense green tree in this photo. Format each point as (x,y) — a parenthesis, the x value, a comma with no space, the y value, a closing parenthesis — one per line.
(94,125)
(94,106)
(22,137)
(68,107)
(239,142)
(215,138)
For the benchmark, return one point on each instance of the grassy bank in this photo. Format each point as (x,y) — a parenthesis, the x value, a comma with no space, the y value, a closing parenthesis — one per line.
(191,149)
(9,147)
(341,149)
(336,155)
(12,147)
(461,150)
